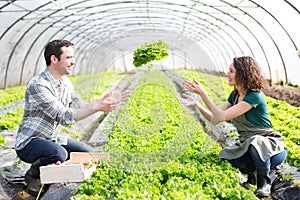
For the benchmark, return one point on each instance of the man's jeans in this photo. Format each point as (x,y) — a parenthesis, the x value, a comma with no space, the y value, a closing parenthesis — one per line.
(50,152)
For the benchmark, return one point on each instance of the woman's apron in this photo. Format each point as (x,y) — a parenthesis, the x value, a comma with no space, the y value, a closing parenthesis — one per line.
(266,141)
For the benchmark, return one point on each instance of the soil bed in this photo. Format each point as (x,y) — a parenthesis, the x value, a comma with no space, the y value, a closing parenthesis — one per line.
(279,92)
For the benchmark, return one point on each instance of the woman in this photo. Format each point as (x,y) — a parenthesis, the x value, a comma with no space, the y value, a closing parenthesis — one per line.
(260,147)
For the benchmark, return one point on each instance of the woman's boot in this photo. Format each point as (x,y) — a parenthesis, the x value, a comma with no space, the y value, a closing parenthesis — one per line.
(251,175)
(251,178)
(263,183)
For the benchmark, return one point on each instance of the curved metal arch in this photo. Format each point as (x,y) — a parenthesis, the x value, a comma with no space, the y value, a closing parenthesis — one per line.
(233,29)
(148,6)
(43,18)
(36,39)
(215,44)
(271,39)
(115,14)
(225,13)
(112,46)
(195,22)
(52,14)
(6,31)
(4,6)
(279,52)
(60,29)
(214,17)
(198,23)
(290,4)
(294,44)
(205,28)
(225,31)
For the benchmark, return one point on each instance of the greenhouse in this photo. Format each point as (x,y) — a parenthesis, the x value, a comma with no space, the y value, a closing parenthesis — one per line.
(156,80)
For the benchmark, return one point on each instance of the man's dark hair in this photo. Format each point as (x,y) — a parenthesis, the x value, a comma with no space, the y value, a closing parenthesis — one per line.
(54,48)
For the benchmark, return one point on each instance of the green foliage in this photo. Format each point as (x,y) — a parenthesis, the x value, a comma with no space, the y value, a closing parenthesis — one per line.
(11,95)
(217,88)
(158,151)
(11,120)
(90,87)
(2,141)
(149,52)
(286,119)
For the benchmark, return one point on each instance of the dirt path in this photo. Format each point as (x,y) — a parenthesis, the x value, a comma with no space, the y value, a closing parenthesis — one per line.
(290,95)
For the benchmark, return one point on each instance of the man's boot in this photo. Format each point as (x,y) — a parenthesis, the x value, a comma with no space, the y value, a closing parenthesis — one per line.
(263,183)
(32,178)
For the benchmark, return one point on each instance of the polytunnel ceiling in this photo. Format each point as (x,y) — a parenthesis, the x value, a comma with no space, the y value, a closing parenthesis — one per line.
(213,31)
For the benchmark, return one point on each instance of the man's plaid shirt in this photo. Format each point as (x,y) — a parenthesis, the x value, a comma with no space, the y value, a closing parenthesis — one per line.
(47,107)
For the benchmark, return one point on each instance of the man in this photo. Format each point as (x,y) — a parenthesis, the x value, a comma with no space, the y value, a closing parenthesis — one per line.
(49,103)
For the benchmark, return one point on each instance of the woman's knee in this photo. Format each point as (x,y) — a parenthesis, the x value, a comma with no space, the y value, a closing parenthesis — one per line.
(279,158)
(242,162)
(259,163)
(253,151)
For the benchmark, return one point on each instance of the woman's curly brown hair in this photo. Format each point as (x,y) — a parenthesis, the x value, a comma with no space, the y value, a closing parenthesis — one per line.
(248,74)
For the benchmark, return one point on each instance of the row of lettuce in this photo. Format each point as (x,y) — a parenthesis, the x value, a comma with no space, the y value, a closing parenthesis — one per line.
(285,118)
(89,87)
(158,151)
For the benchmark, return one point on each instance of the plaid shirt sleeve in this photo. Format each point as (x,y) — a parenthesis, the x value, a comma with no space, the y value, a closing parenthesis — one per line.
(47,106)
(53,105)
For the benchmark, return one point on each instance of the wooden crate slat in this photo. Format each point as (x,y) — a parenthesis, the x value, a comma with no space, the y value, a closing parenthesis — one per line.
(72,170)
(83,157)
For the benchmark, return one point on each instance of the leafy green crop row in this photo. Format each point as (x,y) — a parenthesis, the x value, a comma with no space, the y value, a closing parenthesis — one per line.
(12,119)
(2,141)
(89,86)
(11,95)
(286,119)
(217,88)
(158,151)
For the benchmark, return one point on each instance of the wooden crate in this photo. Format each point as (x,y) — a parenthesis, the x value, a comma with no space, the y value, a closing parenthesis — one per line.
(73,170)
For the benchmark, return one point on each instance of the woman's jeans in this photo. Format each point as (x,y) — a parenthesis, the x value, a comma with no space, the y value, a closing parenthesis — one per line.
(50,152)
(252,159)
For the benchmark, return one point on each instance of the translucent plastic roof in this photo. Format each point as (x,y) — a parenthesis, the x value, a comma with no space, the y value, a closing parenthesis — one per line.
(206,33)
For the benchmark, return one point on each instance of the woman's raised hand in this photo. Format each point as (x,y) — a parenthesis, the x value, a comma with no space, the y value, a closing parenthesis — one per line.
(187,100)
(194,87)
